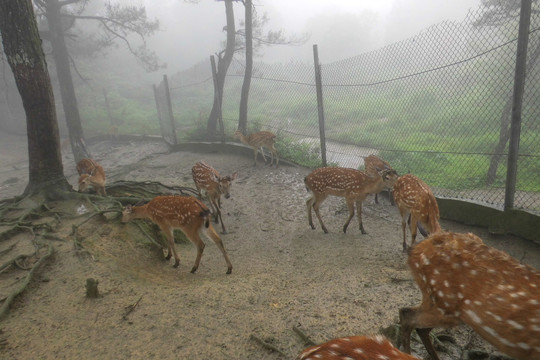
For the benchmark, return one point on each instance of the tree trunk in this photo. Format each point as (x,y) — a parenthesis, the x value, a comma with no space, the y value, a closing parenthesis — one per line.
(25,56)
(242,120)
(222,68)
(505,119)
(67,90)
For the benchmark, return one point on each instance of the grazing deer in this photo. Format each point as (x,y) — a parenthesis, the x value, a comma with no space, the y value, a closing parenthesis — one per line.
(373,164)
(355,348)
(354,185)
(464,280)
(188,214)
(207,178)
(91,174)
(258,141)
(414,197)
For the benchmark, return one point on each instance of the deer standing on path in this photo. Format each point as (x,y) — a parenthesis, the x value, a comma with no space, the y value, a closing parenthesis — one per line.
(354,185)
(355,348)
(208,179)
(464,280)
(91,174)
(371,164)
(188,214)
(414,197)
(258,141)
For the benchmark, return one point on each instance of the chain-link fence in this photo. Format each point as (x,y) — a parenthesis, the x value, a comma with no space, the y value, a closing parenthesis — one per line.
(437,105)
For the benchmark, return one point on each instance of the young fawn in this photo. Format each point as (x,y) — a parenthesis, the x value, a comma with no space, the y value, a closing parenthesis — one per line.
(414,197)
(353,185)
(258,141)
(207,178)
(371,164)
(464,280)
(188,214)
(355,348)
(91,174)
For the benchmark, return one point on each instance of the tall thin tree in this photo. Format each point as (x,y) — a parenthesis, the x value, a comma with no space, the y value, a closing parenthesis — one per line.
(22,46)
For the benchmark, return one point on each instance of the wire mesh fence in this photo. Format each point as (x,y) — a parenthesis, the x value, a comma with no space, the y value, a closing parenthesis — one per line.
(437,105)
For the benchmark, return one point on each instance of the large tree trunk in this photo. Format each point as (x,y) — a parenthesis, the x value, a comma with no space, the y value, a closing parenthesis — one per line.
(67,90)
(506,116)
(222,68)
(25,56)
(242,120)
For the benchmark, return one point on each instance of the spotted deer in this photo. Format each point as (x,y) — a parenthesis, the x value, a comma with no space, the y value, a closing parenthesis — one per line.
(188,214)
(258,141)
(208,179)
(354,185)
(372,165)
(414,197)
(465,281)
(355,348)
(91,174)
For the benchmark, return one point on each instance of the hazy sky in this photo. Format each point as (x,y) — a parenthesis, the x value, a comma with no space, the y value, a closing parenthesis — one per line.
(341,28)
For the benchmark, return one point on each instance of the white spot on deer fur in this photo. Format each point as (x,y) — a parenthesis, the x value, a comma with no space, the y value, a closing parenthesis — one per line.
(490,331)
(515,324)
(358,351)
(534,302)
(524,346)
(474,272)
(335,345)
(432,281)
(460,295)
(440,293)
(495,316)
(477,303)
(473,316)
(535,328)
(446,283)
(424,259)
(383,357)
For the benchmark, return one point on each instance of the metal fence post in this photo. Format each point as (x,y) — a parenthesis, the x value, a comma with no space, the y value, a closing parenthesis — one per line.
(519,85)
(160,117)
(320,108)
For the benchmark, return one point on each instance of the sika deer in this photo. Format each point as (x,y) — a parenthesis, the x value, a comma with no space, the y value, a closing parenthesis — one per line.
(353,185)
(207,178)
(373,164)
(464,280)
(258,141)
(188,214)
(414,197)
(355,348)
(91,174)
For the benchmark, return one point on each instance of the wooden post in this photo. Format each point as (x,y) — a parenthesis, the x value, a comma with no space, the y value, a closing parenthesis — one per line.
(169,107)
(159,115)
(519,85)
(218,96)
(320,107)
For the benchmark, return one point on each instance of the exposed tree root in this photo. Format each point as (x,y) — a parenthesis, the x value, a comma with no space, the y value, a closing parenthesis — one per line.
(40,214)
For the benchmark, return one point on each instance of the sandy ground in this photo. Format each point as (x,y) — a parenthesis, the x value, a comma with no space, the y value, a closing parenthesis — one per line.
(284,275)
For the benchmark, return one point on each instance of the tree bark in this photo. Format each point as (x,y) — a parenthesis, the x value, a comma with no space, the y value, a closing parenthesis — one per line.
(223,66)
(25,56)
(242,120)
(504,134)
(67,90)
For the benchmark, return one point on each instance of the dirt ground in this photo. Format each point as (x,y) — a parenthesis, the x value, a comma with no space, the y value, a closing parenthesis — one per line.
(285,274)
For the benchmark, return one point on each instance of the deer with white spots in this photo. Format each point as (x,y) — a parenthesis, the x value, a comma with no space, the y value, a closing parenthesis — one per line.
(91,174)
(371,164)
(208,179)
(465,281)
(355,348)
(354,185)
(258,141)
(414,197)
(188,214)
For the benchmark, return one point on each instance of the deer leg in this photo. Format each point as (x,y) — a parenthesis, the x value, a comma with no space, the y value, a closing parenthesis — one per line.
(361,224)
(277,156)
(211,233)
(309,205)
(194,237)
(172,249)
(424,336)
(376,198)
(316,206)
(414,226)
(262,153)
(350,206)
(256,152)
(404,229)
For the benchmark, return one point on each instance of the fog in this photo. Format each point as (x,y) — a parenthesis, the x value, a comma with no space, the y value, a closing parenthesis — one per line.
(340,28)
